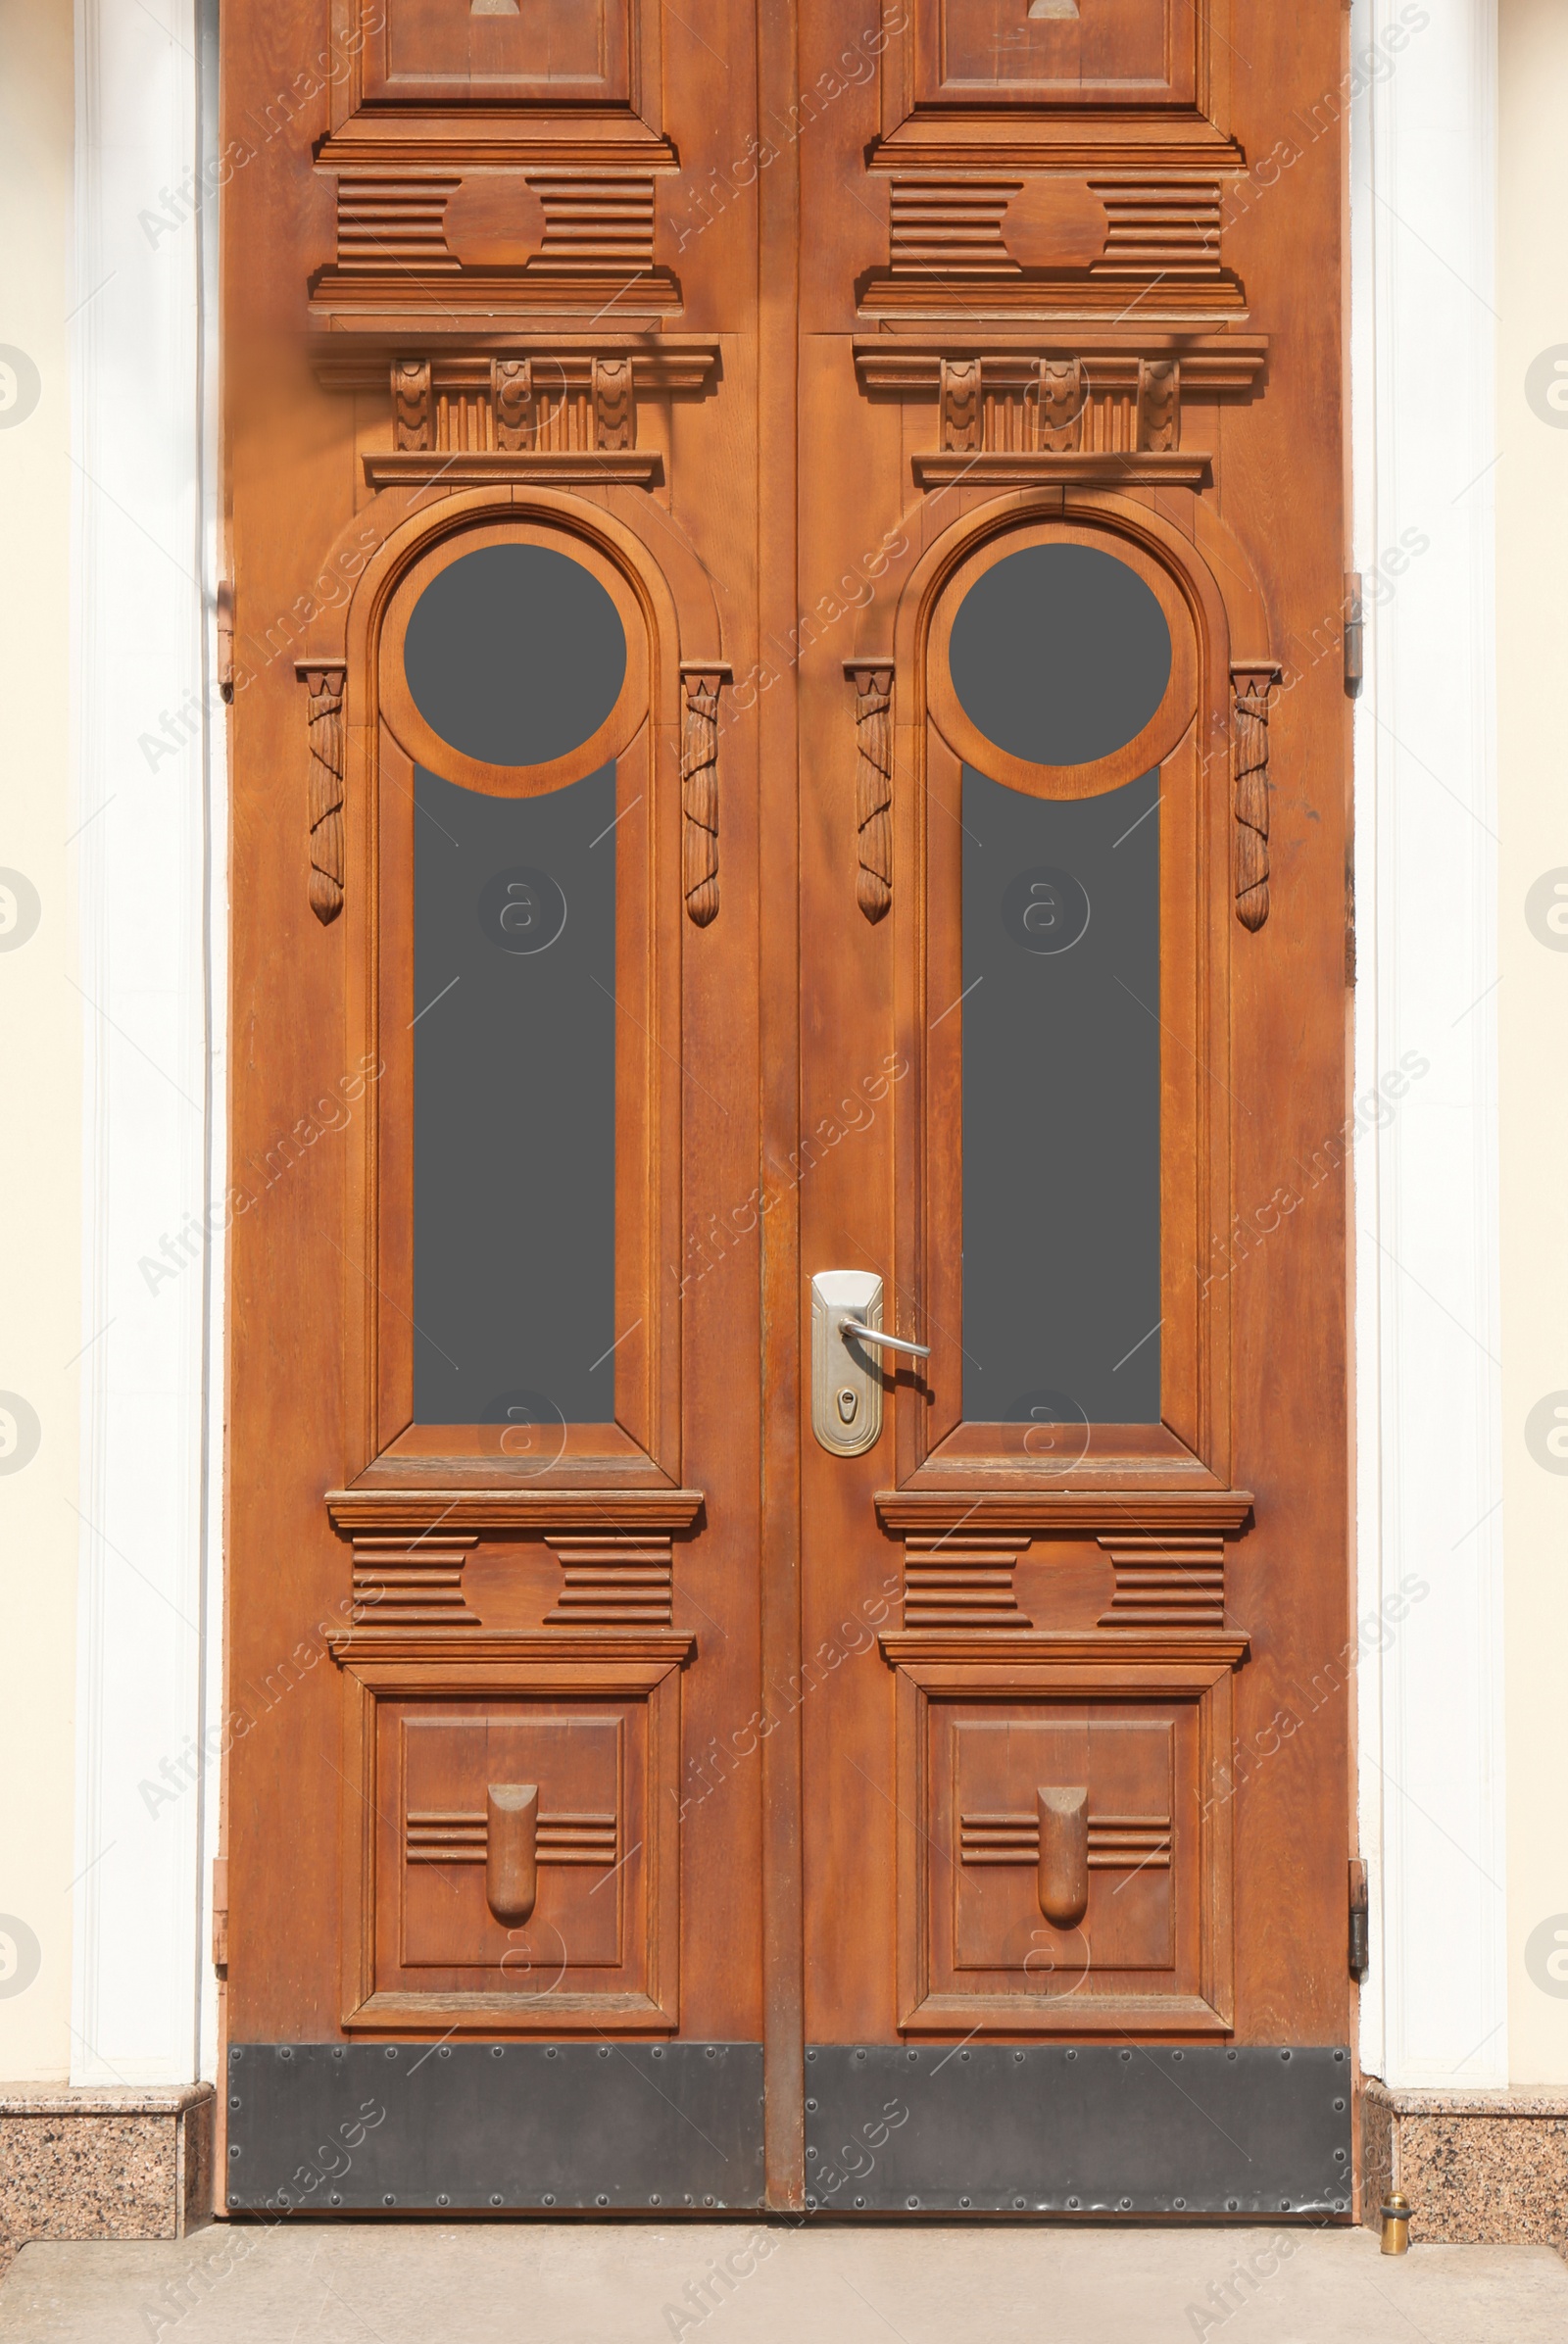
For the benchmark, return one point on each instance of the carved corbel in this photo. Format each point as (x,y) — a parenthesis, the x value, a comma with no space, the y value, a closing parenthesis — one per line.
(412,404)
(1061,403)
(1159,404)
(1252,681)
(615,403)
(512,403)
(702,681)
(873,784)
(962,414)
(325,722)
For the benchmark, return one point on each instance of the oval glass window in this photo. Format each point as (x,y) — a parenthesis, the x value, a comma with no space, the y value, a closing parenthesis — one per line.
(514,655)
(1059,653)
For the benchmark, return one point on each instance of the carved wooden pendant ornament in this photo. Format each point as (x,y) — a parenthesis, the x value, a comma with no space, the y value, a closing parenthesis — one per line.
(873,785)
(699,792)
(325,721)
(1252,683)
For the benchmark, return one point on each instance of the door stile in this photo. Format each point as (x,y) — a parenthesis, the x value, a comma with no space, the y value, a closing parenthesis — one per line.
(779,1105)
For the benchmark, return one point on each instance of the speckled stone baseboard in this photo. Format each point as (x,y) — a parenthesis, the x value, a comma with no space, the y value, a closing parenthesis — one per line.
(1479,2169)
(104,2164)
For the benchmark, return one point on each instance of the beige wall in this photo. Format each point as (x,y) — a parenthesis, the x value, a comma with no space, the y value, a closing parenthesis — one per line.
(40,1057)
(1531,490)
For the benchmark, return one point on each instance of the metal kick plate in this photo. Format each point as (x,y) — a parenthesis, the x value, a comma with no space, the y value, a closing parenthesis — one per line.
(356,2128)
(1099,2128)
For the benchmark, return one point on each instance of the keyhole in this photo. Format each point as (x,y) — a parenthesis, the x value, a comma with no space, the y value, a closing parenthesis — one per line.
(849,1404)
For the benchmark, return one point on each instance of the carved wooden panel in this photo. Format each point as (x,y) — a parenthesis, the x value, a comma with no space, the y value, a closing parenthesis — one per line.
(1047,246)
(456,52)
(1064,1847)
(1009,81)
(423,245)
(1108,52)
(1125,1765)
(581,1765)
(513,1804)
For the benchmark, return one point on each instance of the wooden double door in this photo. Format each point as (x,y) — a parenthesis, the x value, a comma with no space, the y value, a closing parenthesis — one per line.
(789,753)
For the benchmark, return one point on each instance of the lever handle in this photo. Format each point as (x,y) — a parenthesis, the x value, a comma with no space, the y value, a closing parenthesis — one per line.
(888,1343)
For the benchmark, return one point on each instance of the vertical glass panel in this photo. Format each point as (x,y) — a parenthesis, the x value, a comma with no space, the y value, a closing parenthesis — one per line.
(1061,1295)
(514,1104)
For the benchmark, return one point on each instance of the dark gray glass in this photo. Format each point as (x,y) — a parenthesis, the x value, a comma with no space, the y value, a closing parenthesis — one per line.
(514,655)
(1061,1301)
(515,1108)
(1059,653)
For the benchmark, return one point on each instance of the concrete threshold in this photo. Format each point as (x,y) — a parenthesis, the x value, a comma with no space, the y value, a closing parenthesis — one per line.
(776,2283)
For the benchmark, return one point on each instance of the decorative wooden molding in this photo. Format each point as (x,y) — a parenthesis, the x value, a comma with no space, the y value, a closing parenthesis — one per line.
(1252,681)
(1062,401)
(565,411)
(1133,1647)
(543,1510)
(462,367)
(1159,404)
(403,1583)
(412,404)
(1174,1580)
(633,468)
(614,1581)
(962,423)
(512,403)
(1115,1843)
(699,788)
(1219,365)
(873,785)
(594,242)
(615,403)
(325,728)
(1078,467)
(951,251)
(1117,1512)
(456,1662)
(1098,409)
(955,1581)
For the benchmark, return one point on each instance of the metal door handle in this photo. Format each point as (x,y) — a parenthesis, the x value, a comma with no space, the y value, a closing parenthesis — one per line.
(888,1343)
(846,1385)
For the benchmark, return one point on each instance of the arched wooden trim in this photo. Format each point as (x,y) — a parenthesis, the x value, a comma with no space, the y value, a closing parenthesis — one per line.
(898,636)
(673,593)
(372,551)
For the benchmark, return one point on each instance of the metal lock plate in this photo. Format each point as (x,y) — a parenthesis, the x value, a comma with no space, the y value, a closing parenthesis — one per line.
(846,1380)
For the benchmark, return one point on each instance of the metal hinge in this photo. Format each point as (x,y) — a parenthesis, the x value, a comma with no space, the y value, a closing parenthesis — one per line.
(1350,920)
(225,638)
(1360,1944)
(220,1914)
(1354,633)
